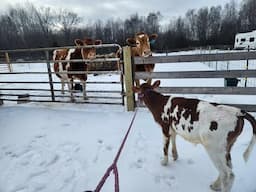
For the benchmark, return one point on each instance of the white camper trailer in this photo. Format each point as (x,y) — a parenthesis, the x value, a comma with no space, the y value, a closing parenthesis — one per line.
(245,40)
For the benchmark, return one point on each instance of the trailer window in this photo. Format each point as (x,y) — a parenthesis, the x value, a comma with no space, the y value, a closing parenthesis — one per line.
(251,39)
(243,39)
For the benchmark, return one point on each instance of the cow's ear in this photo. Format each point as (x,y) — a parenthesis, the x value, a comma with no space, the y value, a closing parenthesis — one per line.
(79,42)
(156,84)
(136,89)
(97,42)
(131,42)
(152,38)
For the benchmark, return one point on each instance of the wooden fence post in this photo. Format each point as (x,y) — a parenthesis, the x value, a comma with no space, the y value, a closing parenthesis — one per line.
(128,73)
(7,58)
(49,74)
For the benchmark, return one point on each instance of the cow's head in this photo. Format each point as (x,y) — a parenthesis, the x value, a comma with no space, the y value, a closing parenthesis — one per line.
(145,88)
(142,43)
(88,52)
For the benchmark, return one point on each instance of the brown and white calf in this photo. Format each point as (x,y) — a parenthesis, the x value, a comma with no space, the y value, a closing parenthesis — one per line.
(214,126)
(141,47)
(69,54)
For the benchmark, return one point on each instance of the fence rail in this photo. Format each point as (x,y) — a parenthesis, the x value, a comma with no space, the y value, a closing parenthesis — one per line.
(196,74)
(186,59)
(232,56)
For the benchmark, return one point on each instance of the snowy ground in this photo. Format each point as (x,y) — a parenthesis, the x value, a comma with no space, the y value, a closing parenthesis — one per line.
(68,147)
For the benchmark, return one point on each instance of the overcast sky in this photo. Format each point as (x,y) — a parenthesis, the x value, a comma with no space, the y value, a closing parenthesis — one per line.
(91,10)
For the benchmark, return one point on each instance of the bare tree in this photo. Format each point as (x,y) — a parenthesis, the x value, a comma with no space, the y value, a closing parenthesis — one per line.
(248,15)
(152,22)
(45,19)
(214,24)
(229,25)
(191,20)
(202,24)
(67,21)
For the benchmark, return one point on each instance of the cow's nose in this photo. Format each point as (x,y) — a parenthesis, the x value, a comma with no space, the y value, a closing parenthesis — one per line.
(147,53)
(91,56)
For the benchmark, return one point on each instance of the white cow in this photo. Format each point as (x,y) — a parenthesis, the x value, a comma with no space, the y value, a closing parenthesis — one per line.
(214,126)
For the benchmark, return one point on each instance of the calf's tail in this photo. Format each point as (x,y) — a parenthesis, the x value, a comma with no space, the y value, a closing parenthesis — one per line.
(252,120)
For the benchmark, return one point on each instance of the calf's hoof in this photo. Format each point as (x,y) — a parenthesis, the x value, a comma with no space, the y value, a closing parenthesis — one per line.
(175,157)
(164,162)
(214,187)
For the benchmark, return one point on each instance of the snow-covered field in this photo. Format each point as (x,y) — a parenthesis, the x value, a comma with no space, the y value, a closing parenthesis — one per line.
(68,147)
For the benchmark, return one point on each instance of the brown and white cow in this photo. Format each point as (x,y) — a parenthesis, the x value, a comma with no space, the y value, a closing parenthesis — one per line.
(215,126)
(141,47)
(70,54)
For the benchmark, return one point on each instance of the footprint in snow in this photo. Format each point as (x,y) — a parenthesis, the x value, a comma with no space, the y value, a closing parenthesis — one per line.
(138,164)
(109,148)
(65,124)
(70,147)
(40,136)
(190,162)
(19,189)
(168,180)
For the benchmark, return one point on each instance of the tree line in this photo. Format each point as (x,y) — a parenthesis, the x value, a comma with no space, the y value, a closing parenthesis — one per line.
(30,27)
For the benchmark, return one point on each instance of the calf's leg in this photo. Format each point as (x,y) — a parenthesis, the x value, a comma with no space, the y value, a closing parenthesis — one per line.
(174,149)
(226,177)
(166,140)
(70,83)
(62,85)
(84,90)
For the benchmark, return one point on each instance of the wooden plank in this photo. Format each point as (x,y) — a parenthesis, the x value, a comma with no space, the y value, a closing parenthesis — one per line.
(128,78)
(209,90)
(231,56)
(196,74)
(246,107)
(249,108)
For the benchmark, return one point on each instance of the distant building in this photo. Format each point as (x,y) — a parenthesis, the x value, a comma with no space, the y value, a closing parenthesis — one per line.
(245,40)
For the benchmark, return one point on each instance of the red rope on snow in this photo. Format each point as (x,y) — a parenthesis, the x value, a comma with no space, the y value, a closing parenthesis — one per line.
(113,166)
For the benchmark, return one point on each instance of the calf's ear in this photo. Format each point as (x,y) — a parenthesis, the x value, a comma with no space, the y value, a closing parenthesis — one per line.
(79,42)
(97,42)
(156,84)
(136,89)
(131,42)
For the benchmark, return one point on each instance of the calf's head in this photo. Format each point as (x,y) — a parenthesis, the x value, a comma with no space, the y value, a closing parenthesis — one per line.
(142,42)
(145,88)
(88,52)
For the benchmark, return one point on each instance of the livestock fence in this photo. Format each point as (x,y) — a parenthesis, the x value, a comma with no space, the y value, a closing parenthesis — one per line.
(5,65)
(186,59)
(32,78)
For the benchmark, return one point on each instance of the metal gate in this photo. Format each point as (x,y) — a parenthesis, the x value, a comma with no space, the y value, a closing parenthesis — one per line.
(32,78)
